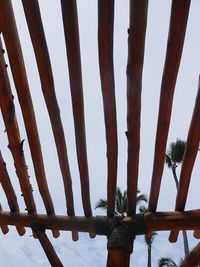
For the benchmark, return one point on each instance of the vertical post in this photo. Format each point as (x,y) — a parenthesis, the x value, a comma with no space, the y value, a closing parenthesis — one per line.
(120,246)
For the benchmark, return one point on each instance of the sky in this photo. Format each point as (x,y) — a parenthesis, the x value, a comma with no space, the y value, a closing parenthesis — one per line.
(26,251)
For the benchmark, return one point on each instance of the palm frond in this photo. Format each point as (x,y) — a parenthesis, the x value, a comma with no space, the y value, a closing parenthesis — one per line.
(101,204)
(121,202)
(166,262)
(175,153)
(141,198)
(168,161)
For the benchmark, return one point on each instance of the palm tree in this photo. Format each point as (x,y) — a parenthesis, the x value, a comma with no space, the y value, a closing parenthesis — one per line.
(173,158)
(120,202)
(148,240)
(166,262)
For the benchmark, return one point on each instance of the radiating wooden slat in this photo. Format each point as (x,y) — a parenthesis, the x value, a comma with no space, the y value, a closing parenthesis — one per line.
(15,142)
(105,47)
(9,191)
(4,227)
(71,30)
(48,248)
(7,186)
(8,27)
(193,258)
(192,147)
(136,45)
(177,29)
(36,30)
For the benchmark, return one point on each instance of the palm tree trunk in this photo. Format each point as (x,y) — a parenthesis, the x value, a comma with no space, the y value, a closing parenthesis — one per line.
(185,239)
(149,256)
(175,177)
(185,242)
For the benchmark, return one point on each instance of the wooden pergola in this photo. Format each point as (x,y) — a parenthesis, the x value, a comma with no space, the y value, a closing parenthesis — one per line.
(120,231)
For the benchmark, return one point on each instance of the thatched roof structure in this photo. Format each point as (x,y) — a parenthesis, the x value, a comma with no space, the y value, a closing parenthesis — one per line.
(120,248)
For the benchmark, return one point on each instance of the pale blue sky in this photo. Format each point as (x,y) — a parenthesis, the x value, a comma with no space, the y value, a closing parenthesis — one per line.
(25,251)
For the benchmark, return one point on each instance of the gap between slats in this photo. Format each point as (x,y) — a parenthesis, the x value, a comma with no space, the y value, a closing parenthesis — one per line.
(192,147)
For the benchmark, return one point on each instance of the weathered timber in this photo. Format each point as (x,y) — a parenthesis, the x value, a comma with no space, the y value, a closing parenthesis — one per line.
(193,258)
(47,246)
(71,30)
(11,38)
(105,48)
(36,31)
(9,192)
(4,227)
(101,225)
(12,130)
(136,44)
(176,36)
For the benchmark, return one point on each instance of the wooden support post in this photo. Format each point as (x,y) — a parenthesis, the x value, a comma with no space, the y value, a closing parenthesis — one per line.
(118,257)
(120,245)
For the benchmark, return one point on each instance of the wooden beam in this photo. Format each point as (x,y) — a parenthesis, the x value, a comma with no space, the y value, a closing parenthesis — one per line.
(9,192)
(11,38)
(4,227)
(192,147)
(176,36)
(71,30)
(47,246)
(105,48)
(193,258)
(136,45)
(12,130)
(36,31)
(140,224)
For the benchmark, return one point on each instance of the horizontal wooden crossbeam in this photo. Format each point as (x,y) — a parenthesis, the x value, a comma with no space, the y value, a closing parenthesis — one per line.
(101,225)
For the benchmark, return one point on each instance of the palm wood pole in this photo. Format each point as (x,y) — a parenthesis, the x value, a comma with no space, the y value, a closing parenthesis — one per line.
(120,245)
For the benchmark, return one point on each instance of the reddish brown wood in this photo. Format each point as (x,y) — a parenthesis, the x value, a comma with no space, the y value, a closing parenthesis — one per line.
(152,221)
(193,258)
(48,248)
(118,257)
(8,27)
(136,44)
(105,47)
(9,191)
(36,30)
(4,227)
(178,23)
(71,30)
(7,186)
(192,147)
(15,142)
(163,221)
